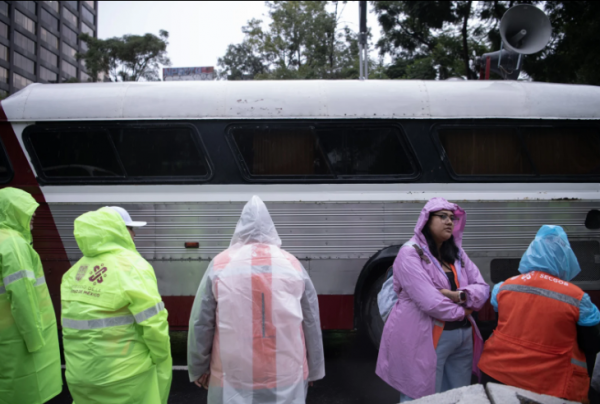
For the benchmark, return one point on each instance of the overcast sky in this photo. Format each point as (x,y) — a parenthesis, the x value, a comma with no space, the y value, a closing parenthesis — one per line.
(199,32)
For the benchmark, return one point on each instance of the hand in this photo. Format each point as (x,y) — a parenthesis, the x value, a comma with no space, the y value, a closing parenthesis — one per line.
(468,312)
(454,296)
(203,380)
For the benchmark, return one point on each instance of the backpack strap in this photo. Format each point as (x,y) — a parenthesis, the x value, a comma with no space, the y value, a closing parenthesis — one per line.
(421,254)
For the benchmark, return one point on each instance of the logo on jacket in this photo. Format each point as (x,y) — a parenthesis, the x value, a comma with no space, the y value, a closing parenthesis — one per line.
(98,275)
(81,272)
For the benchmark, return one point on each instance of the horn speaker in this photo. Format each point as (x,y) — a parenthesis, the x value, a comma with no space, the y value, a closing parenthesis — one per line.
(525,29)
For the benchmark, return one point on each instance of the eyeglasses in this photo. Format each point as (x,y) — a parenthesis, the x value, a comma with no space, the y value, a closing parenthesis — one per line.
(445,217)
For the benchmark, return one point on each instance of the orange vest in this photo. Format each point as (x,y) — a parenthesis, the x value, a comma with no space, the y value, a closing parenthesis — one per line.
(535,346)
(438,325)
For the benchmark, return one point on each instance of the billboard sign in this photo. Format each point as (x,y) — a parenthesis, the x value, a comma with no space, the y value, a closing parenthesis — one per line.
(188,73)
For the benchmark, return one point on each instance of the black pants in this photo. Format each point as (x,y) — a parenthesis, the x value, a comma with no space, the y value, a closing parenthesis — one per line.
(485,379)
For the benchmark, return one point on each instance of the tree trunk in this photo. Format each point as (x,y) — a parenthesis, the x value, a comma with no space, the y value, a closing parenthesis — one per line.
(464,39)
(332,44)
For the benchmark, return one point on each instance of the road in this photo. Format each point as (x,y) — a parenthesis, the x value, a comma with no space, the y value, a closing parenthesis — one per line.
(349,367)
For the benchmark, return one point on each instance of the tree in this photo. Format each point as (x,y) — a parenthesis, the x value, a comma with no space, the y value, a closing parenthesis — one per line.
(571,56)
(304,40)
(436,39)
(126,58)
(430,39)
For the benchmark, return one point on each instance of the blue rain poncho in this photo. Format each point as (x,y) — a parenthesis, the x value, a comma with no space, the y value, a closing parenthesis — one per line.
(550,252)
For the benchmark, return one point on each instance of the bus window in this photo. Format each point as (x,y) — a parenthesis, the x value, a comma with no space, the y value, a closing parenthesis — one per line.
(273,151)
(365,151)
(159,152)
(75,154)
(485,151)
(542,151)
(322,151)
(586,252)
(118,154)
(564,150)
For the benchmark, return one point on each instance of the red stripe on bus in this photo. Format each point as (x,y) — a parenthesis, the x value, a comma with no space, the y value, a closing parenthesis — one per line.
(337,311)
(46,239)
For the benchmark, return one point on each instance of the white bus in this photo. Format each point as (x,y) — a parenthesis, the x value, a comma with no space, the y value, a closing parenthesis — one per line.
(343,166)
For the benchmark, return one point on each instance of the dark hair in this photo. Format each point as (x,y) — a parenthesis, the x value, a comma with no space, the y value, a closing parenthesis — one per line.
(448,250)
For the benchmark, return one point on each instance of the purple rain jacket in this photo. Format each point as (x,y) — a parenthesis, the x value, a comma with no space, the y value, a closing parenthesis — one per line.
(407,358)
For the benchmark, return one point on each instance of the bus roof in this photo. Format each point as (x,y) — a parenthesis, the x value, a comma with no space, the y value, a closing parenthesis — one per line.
(306,99)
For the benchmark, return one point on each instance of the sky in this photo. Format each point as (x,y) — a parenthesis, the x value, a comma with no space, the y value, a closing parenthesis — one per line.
(199,32)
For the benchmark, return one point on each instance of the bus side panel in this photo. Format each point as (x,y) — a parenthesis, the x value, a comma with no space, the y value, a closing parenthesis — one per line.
(333,240)
(179,270)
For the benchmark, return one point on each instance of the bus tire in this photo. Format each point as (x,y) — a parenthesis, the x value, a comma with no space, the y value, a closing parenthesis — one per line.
(372,321)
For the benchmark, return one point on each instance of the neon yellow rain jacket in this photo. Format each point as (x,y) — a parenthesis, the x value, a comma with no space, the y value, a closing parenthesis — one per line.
(29,354)
(115,331)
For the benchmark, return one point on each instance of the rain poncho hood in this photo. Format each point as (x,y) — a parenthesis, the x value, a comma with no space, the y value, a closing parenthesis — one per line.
(115,330)
(550,252)
(101,232)
(435,205)
(255,320)
(29,352)
(407,357)
(16,210)
(255,225)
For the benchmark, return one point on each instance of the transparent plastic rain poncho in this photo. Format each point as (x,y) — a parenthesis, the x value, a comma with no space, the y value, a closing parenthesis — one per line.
(255,320)
(550,252)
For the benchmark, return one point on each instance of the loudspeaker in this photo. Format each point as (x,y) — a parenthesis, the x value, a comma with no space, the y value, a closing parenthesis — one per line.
(525,29)
(509,69)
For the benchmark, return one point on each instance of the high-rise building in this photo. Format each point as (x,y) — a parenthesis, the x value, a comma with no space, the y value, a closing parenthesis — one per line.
(39,40)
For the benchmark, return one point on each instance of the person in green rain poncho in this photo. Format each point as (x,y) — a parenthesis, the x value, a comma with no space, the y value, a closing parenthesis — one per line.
(115,331)
(29,353)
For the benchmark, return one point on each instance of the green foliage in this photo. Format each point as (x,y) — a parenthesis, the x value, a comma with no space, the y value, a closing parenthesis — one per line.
(437,39)
(126,58)
(430,39)
(572,56)
(304,40)
(425,40)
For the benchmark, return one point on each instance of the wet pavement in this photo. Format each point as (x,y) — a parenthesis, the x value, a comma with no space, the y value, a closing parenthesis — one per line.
(350,360)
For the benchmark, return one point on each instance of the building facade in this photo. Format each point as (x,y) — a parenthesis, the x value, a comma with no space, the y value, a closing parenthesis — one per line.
(39,41)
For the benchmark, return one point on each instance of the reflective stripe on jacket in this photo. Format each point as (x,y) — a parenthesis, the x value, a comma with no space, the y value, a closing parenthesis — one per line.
(535,345)
(29,351)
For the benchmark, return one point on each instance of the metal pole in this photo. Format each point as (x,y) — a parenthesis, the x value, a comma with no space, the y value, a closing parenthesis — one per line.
(366,60)
(363,56)
(360,62)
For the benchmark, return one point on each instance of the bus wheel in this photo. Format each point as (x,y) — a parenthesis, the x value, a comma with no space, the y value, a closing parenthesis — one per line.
(372,321)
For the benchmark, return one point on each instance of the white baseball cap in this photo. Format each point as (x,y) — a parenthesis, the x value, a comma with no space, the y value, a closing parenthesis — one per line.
(126,218)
